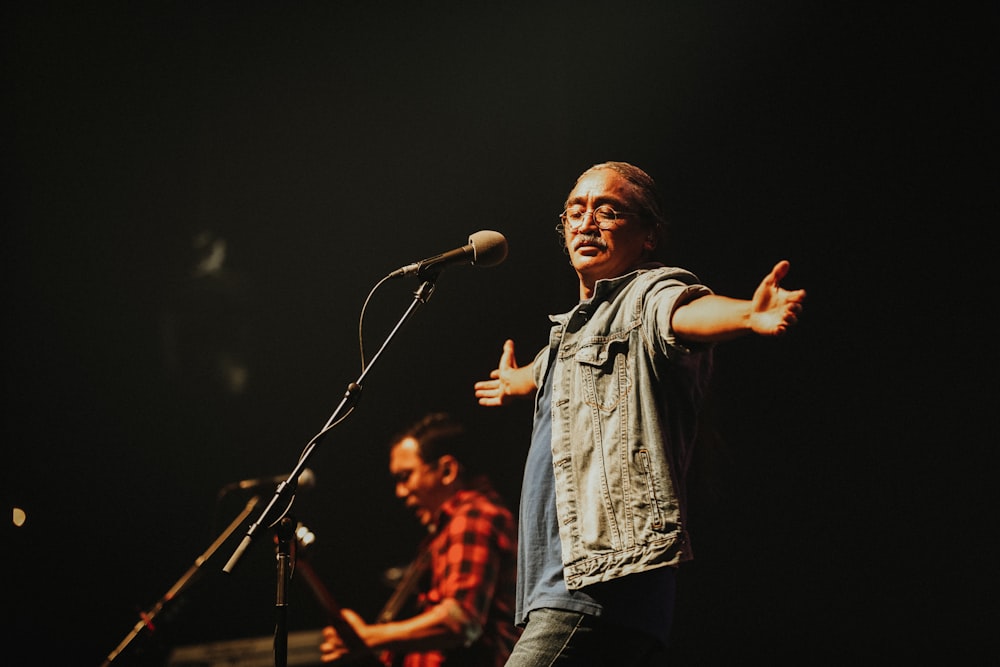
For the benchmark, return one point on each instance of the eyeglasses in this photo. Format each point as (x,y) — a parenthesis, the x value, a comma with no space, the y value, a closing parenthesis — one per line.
(403,476)
(605,216)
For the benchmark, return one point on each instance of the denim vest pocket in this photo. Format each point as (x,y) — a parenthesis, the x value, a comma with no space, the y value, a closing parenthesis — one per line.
(646,465)
(604,369)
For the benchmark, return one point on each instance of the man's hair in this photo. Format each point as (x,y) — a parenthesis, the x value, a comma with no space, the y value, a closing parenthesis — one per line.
(647,193)
(437,434)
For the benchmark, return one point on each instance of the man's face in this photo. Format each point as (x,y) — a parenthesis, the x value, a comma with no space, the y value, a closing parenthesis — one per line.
(418,483)
(605,253)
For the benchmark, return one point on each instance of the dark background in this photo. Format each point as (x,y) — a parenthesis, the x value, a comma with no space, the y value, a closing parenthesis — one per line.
(839,514)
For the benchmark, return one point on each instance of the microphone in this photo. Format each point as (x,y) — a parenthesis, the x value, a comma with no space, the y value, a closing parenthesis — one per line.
(485,248)
(306,480)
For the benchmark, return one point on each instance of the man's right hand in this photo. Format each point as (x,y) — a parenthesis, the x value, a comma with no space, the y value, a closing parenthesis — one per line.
(507,381)
(333,646)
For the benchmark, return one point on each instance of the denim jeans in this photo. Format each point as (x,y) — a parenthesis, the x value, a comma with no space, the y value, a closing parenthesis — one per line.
(556,638)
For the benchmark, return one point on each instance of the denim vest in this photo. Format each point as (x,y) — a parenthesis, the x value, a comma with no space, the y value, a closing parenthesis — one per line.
(625,399)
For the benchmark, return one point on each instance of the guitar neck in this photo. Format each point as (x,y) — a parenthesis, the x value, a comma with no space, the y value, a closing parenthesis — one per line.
(360,655)
(405,588)
(334,615)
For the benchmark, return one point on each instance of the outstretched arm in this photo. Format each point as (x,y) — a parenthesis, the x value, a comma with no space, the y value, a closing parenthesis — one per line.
(508,381)
(770,312)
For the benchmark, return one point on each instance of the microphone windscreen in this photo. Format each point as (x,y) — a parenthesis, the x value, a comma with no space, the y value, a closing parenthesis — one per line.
(490,247)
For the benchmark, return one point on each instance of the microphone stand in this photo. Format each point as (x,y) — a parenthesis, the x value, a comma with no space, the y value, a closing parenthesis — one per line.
(286,489)
(145,626)
(284,531)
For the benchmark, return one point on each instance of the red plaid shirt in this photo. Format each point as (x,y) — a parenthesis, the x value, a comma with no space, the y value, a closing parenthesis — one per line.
(473,561)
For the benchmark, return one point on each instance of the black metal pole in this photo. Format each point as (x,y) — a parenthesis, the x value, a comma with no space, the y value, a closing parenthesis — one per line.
(284,532)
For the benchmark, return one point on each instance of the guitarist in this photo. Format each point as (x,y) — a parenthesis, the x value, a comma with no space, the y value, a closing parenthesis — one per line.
(466,593)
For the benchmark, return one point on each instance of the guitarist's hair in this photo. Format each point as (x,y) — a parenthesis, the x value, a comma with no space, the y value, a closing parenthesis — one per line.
(438,434)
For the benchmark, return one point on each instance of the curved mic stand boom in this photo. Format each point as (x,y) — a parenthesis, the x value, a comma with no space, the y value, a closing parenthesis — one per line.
(286,489)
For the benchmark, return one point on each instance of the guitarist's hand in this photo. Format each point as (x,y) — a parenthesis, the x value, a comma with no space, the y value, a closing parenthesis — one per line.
(333,646)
